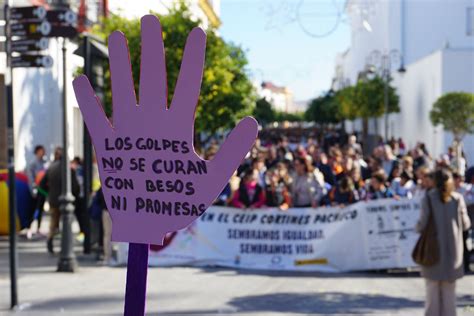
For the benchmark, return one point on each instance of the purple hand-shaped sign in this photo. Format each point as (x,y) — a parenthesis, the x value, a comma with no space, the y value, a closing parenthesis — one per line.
(152,179)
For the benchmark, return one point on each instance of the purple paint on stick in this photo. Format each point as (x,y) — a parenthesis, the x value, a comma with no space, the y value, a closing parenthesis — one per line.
(135,293)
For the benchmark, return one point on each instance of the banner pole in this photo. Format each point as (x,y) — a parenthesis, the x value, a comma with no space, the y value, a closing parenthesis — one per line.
(137,269)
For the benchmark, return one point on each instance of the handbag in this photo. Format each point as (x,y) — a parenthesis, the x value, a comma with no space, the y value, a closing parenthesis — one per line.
(426,251)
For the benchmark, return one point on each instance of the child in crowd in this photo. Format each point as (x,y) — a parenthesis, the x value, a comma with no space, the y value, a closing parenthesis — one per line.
(378,189)
(344,193)
(250,194)
(277,192)
(403,186)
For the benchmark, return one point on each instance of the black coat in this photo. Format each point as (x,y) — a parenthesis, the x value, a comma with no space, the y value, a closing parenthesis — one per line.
(244,197)
(52,183)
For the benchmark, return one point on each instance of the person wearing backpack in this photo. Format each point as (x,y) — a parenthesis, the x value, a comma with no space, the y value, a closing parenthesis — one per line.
(445,211)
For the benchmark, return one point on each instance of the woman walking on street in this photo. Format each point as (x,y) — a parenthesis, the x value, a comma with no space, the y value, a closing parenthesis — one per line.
(450,220)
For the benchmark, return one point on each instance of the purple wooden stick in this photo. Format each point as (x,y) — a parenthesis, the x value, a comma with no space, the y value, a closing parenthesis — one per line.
(135,293)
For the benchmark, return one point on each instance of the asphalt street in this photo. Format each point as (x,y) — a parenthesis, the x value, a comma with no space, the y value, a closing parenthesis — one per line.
(99,290)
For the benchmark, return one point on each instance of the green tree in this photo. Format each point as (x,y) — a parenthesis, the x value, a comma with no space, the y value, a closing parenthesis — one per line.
(227,93)
(323,110)
(346,107)
(455,112)
(368,98)
(289,117)
(264,112)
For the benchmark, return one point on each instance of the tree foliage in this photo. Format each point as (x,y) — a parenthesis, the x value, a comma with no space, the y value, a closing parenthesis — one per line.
(347,108)
(363,100)
(289,117)
(369,98)
(226,91)
(455,112)
(264,112)
(323,110)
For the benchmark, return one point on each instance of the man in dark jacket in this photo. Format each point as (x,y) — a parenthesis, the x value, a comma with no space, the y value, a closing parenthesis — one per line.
(52,183)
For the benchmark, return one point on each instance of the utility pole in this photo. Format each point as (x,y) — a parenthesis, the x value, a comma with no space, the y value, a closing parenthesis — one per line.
(87,166)
(67,260)
(384,68)
(11,163)
(386,76)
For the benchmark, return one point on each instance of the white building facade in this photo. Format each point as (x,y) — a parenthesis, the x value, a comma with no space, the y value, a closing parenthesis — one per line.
(37,92)
(208,11)
(281,98)
(433,40)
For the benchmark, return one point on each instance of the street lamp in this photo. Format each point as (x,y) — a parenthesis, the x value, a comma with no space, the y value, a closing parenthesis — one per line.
(67,260)
(382,63)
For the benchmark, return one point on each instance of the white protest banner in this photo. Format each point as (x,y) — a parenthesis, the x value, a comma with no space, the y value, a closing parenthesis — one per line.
(366,235)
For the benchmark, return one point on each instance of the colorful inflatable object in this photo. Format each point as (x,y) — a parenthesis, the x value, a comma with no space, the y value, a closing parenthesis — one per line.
(25,202)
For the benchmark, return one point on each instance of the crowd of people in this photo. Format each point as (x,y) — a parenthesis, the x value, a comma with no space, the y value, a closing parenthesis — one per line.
(285,169)
(290,172)
(45,179)
(293,169)
(331,170)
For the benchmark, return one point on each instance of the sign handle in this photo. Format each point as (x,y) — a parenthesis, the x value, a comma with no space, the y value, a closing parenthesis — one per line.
(137,269)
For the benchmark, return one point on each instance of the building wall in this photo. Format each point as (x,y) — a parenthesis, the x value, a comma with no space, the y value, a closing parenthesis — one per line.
(37,102)
(426,80)
(37,99)
(458,75)
(3,122)
(281,101)
(278,100)
(418,87)
(139,8)
(414,28)
(363,42)
(438,55)
(458,70)
(433,24)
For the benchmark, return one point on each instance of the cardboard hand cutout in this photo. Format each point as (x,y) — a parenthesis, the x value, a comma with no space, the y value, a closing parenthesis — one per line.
(152,179)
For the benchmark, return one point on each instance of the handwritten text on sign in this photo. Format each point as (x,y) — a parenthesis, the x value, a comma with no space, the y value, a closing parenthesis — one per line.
(150,179)
(153,181)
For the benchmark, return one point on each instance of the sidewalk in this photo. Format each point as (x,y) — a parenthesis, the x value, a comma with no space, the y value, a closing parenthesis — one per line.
(99,290)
